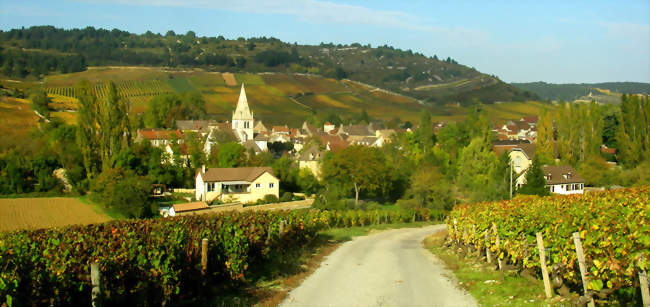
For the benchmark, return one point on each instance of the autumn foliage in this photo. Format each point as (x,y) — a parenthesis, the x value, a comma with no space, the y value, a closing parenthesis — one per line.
(614,227)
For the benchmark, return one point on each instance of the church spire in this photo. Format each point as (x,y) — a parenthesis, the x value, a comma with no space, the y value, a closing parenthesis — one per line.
(242,111)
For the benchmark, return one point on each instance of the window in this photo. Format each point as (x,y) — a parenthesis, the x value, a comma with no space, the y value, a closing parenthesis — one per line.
(209,187)
(258,185)
(270,185)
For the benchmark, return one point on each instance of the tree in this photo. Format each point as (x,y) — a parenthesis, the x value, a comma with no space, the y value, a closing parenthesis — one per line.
(123,191)
(545,138)
(476,171)
(40,103)
(430,189)
(634,126)
(286,170)
(230,155)
(104,127)
(360,168)
(307,182)
(535,182)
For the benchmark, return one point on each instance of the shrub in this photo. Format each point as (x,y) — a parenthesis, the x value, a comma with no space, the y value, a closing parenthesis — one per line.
(270,198)
(286,196)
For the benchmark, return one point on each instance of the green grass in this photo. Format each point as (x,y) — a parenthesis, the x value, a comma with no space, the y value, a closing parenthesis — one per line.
(181,84)
(346,234)
(488,286)
(249,79)
(101,209)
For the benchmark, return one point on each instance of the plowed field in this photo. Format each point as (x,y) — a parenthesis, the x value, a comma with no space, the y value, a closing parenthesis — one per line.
(33,213)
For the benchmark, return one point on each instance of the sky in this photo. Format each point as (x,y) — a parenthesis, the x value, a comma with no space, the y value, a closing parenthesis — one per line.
(518,41)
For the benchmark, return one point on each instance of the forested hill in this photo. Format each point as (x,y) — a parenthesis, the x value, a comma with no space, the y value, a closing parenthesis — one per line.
(572,91)
(37,51)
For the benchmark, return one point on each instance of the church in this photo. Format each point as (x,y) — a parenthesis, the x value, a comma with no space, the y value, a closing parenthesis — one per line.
(241,127)
(242,118)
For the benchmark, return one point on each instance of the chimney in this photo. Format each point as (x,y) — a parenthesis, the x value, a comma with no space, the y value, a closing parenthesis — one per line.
(203,168)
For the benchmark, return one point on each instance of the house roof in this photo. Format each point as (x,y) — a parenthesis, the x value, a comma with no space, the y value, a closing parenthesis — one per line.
(284,129)
(607,150)
(259,127)
(234,174)
(508,142)
(194,125)
(561,174)
(363,130)
(528,149)
(159,134)
(530,119)
(199,205)
(251,144)
(335,142)
(499,150)
(311,154)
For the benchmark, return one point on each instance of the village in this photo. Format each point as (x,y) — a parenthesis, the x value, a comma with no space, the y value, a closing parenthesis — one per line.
(309,145)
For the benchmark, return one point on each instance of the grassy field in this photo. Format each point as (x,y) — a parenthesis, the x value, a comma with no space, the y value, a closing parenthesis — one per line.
(33,213)
(488,286)
(17,121)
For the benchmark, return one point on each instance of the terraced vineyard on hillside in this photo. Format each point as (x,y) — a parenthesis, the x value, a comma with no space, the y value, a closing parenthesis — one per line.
(275,98)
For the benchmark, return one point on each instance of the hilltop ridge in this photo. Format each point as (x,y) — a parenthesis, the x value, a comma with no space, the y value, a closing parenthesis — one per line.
(35,52)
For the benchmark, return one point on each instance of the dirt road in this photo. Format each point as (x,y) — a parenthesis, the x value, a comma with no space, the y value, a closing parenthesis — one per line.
(390,268)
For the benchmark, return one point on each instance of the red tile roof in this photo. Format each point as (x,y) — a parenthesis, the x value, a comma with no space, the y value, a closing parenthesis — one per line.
(284,128)
(159,134)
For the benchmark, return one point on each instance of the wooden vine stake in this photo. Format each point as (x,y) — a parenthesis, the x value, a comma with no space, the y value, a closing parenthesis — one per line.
(542,262)
(95,278)
(204,256)
(583,265)
(645,293)
(498,244)
(488,252)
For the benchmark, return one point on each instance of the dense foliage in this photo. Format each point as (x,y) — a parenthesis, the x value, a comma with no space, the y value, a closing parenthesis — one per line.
(614,227)
(158,260)
(569,91)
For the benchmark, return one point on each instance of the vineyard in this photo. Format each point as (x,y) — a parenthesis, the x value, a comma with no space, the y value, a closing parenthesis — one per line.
(158,261)
(614,228)
(138,92)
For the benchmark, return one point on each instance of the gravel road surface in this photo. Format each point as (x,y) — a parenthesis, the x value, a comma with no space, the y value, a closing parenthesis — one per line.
(389,268)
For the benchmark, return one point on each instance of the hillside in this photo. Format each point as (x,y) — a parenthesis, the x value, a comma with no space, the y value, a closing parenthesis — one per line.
(35,52)
(608,92)
(275,98)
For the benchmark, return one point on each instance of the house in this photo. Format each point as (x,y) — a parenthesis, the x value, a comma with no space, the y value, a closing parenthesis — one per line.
(221,130)
(328,127)
(522,157)
(281,130)
(201,127)
(242,184)
(159,137)
(259,128)
(561,179)
(521,152)
(311,159)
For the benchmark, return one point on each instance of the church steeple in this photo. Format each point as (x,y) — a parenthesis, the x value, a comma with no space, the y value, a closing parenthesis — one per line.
(242,111)
(242,118)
